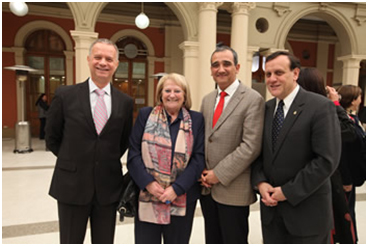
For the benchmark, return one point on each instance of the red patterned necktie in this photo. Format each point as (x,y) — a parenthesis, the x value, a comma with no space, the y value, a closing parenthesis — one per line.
(100,112)
(219,108)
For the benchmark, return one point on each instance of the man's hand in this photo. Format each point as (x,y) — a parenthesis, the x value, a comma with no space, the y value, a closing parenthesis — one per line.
(267,191)
(209,178)
(278,195)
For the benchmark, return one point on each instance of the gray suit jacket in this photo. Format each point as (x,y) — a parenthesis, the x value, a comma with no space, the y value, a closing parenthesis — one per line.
(233,144)
(305,156)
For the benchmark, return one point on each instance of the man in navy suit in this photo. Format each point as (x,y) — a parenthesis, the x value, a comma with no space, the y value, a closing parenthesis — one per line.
(87,180)
(292,173)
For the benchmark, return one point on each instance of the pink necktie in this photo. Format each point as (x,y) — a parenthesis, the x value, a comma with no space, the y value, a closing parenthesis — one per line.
(100,112)
(219,108)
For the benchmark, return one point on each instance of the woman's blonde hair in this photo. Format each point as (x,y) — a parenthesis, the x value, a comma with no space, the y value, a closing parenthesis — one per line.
(180,81)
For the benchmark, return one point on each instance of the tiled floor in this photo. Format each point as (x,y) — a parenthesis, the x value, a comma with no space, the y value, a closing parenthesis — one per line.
(30,214)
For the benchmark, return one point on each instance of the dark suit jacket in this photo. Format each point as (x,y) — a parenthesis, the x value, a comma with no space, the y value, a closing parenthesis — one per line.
(87,163)
(306,155)
(187,182)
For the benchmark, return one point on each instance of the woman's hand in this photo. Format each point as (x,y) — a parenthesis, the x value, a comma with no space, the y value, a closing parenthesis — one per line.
(168,196)
(155,189)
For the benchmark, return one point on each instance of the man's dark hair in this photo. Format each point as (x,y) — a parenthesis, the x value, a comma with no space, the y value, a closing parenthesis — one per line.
(294,62)
(220,48)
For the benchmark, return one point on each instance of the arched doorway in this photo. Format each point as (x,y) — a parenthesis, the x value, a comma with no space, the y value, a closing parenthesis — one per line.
(131,76)
(44,52)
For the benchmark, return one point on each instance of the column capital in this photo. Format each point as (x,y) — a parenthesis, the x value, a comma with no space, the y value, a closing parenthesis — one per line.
(213,6)
(242,8)
(189,48)
(83,36)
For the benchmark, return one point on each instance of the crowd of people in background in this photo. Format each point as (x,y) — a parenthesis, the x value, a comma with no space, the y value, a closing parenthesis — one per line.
(302,152)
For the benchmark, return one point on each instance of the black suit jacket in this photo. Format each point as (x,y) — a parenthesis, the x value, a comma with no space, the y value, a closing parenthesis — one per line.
(306,155)
(87,163)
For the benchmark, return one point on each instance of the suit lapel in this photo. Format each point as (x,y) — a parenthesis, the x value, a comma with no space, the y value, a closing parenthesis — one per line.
(233,103)
(84,99)
(114,107)
(268,122)
(295,110)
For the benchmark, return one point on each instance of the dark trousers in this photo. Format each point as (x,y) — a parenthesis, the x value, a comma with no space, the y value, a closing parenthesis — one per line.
(73,222)
(177,232)
(277,233)
(351,201)
(42,128)
(223,223)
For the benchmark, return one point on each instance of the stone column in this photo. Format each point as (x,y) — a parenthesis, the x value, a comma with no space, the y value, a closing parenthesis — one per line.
(83,40)
(351,66)
(207,43)
(69,55)
(239,38)
(190,64)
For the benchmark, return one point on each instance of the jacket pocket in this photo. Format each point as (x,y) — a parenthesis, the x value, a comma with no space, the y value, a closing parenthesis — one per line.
(66,165)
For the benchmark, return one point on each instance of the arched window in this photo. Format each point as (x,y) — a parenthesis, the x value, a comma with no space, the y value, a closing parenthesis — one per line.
(44,52)
(131,75)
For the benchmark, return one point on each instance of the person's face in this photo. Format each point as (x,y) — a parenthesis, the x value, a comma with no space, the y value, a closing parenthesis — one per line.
(223,69)
(356,103)
(102,63)
(280,80)
(44,98)
(172,96)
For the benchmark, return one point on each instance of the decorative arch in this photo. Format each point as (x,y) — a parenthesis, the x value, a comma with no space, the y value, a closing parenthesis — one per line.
(340,25)
(30,27)
(137,34)
(187,14)
(86,15)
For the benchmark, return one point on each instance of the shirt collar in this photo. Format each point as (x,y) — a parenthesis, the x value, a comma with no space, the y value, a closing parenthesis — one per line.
(290,98)
(93,87)
(180,116)
(230,90)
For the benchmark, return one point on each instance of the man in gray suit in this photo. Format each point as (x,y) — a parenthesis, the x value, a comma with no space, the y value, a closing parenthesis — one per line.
(293,172)
(233,133)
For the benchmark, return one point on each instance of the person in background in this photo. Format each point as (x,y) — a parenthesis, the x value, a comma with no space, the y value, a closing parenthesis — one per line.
(300,151)
(353,159)
(312,80)
(165,159)
(234,119)
(88,128)
(42,107)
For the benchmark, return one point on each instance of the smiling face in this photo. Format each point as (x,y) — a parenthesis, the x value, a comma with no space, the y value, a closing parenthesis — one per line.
(280,80)
(223,68)
(172,97)
(102,63)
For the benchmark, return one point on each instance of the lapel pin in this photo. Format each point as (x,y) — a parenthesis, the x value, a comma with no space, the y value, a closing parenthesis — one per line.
(295,112)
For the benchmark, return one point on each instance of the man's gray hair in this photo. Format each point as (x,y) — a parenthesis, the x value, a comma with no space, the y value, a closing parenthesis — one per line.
(105,41)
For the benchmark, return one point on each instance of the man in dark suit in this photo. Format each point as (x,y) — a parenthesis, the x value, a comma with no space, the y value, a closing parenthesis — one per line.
(292,173)
(89,133)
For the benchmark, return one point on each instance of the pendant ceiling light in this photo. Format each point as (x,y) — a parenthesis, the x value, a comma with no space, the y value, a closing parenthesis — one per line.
(142,20)
(18,8)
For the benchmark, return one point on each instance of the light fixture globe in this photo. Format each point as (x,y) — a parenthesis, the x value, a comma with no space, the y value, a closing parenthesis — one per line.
(142,21)
(18,8)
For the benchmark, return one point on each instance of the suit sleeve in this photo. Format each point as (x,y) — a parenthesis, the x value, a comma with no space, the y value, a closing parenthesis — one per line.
(326,147)
(55,123)
(124,141)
